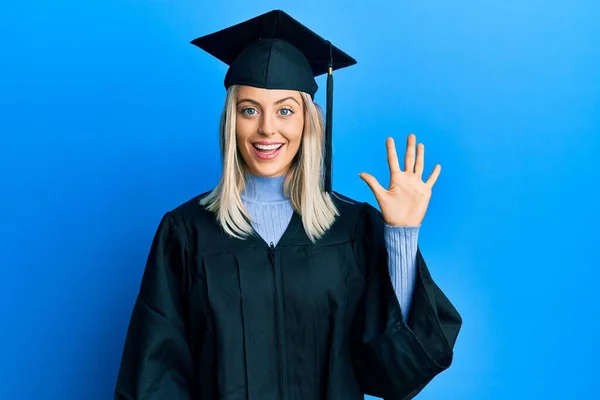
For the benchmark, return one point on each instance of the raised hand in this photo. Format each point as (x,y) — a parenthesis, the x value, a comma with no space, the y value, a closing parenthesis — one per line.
(405,201)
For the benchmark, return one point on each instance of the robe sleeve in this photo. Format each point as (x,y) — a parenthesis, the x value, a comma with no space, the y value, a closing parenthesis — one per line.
(156,362)
(394,359)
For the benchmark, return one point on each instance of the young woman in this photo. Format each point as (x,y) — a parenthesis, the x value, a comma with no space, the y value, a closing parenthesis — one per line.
(272,286)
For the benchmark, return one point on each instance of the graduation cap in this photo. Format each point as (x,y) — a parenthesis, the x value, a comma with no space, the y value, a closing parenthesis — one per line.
(275,51)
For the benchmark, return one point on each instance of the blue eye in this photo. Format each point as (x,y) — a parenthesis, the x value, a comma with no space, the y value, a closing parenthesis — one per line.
(286,111)
(248,111)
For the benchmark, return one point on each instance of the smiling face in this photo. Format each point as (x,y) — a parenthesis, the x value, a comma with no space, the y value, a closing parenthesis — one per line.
(269,126)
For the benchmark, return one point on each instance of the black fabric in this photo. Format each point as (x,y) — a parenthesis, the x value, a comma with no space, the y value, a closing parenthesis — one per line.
(273,51)
(224,318)
(272,64)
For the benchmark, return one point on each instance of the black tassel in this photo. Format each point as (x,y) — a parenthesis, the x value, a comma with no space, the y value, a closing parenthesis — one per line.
(328,126)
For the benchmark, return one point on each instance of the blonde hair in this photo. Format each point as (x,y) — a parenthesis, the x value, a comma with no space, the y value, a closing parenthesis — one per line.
(303,184)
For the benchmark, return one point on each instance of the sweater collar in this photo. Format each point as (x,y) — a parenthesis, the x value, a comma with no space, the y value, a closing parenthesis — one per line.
(264,189)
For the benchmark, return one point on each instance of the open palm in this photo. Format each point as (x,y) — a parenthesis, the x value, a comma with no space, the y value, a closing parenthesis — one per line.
(405,201)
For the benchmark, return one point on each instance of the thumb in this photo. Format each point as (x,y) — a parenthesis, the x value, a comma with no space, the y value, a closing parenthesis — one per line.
(372,182)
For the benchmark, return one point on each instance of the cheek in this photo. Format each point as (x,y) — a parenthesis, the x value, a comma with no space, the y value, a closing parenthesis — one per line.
(242,131)
(296,132)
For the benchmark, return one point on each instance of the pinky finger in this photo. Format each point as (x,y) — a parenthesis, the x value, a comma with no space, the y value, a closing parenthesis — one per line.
(434,175)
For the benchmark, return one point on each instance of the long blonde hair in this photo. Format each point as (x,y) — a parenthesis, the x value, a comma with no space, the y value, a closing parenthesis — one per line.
(303,184)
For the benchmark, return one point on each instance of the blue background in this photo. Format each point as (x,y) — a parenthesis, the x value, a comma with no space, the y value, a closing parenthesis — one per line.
(108,118)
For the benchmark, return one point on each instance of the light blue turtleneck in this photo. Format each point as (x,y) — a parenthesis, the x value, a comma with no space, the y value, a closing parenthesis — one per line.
(271,213)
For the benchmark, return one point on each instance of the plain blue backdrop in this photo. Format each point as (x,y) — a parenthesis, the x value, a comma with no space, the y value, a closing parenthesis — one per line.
(108,118)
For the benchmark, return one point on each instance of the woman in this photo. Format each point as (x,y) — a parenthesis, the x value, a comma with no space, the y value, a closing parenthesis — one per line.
(272,286)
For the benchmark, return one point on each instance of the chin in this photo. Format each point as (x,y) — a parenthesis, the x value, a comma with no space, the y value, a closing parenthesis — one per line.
(268,171)
(277,166)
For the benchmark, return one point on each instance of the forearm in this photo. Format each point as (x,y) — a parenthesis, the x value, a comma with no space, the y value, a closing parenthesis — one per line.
(401,243)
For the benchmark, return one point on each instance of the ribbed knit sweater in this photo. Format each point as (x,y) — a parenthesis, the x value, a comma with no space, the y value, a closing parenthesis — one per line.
(271,212)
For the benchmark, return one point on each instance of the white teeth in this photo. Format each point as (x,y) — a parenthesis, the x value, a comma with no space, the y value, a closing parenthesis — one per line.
(267,146)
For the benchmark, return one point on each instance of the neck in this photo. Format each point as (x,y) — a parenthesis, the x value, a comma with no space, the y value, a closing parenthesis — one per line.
(264,188)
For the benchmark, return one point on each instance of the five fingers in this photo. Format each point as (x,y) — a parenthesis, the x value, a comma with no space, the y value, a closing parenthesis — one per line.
(414,161)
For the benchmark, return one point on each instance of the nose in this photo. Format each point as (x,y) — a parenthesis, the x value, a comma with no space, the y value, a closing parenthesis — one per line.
(267,124)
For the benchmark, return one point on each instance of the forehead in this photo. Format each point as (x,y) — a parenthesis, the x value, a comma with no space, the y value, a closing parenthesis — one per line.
(262,95)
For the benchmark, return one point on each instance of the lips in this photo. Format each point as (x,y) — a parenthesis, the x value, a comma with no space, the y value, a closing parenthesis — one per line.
(264,146)
(267,151)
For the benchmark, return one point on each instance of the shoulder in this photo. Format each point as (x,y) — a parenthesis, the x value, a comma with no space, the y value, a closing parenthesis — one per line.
(353,209)
(192,220)
(355,214)
(365,221)
(347,206)
(189,211)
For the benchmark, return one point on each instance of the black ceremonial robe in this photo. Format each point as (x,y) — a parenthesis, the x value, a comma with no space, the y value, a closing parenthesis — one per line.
(224,318)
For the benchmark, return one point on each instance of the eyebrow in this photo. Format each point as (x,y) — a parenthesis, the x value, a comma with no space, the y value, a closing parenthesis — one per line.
(277,102)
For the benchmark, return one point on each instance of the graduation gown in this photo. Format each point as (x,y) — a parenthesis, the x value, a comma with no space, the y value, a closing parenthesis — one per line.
(224,318)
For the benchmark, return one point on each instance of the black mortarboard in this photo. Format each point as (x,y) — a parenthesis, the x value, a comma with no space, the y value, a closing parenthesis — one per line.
(274,51)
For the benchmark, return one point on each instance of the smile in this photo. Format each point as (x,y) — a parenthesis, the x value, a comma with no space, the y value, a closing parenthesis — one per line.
(268,147)
(267,151)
